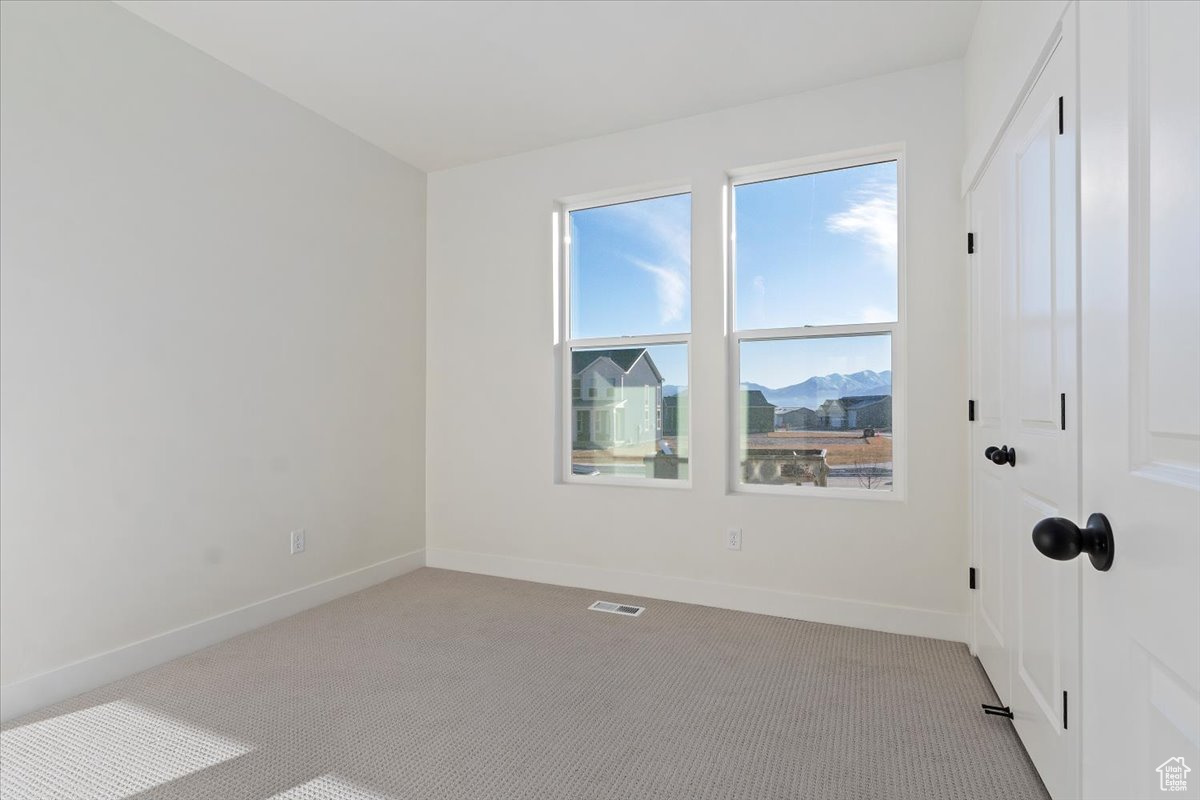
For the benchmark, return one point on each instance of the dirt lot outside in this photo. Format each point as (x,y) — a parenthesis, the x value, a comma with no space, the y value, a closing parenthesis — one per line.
(633,454)
(844,448)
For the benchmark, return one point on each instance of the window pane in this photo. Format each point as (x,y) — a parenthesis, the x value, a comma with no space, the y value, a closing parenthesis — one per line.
(817,411)
(817,249)
(631,268)
(630,417)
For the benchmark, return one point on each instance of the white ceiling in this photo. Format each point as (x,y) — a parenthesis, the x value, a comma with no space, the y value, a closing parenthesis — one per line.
(446,83)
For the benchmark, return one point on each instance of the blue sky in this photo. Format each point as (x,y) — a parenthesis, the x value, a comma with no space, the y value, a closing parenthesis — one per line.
(817,249)
(810,250)
(631,268)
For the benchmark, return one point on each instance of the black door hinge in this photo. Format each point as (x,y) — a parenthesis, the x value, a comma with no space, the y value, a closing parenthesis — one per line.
(1062,410)
(1060,116)
(971,577)
(970,243)
(970,411)
(998,711)
(1064,709)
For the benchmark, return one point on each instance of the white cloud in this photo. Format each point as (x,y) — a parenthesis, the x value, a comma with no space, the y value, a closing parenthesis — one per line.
(671,287)
(670,227)
(758,312)
(872,217)
(877,314)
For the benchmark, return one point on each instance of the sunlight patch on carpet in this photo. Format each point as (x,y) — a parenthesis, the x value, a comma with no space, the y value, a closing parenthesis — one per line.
(106,752)
(329,787)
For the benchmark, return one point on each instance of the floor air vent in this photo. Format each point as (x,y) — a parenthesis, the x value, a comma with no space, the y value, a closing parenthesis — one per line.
(616,608)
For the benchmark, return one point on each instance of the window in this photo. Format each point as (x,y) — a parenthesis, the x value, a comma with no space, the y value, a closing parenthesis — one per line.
(626,291)
(816,310)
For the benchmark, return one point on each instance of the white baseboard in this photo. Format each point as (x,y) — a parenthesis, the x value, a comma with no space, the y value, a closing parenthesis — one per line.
(22,697)
(813,608)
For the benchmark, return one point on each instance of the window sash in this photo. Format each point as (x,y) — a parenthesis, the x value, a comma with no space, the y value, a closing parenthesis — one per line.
(735,484)
(568,429)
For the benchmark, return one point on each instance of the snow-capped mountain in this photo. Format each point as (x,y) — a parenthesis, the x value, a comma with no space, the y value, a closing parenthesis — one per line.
(816,390)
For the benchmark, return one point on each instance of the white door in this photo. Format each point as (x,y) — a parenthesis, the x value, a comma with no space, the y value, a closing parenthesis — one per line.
(1140,226)
(1027,605)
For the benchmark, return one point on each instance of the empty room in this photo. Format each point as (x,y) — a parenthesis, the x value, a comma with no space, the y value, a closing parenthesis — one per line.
(599,400)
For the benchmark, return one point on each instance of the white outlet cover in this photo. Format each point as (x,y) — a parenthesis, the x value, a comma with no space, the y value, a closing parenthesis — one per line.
(733,539)
(297,542)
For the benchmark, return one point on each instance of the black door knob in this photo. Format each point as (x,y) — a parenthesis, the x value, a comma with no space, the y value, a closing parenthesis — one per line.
(1062,539)
(1002,455)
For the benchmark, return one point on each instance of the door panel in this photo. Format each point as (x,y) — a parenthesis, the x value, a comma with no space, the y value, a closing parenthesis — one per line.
(1168,62)
(990,499)
(1034,265)
(1039,589)
(1140,183)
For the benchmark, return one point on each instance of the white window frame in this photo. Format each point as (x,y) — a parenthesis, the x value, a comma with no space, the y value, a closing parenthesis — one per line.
(897,330)
(562,275)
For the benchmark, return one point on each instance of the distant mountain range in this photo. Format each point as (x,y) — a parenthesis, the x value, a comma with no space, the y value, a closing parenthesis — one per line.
(816,390)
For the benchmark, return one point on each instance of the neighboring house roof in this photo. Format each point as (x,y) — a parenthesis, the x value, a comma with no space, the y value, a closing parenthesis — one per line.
(863,400)
(850,403)
(624,358)
(755,397)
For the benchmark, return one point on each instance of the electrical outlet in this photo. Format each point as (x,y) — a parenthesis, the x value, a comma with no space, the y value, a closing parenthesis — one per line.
(297,541)
(733,539)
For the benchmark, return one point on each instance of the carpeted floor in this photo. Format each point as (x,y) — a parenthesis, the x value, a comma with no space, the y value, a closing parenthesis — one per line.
(448,686)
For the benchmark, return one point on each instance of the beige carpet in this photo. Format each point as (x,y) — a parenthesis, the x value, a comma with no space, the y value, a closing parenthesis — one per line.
(450,686)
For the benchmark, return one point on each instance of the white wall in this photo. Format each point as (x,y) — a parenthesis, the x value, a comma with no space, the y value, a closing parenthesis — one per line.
(1005,44)
(212,333)
(493,502)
